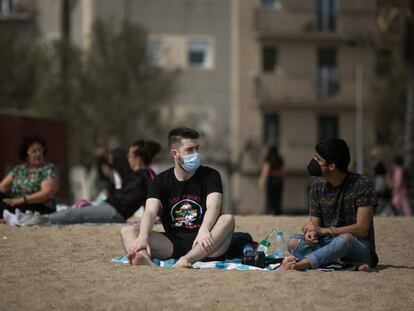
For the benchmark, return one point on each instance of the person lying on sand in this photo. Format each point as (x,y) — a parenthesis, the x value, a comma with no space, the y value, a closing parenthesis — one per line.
(341,213)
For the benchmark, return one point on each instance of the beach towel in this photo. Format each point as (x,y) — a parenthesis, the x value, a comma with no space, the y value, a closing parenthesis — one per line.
(235,264)
(229,264)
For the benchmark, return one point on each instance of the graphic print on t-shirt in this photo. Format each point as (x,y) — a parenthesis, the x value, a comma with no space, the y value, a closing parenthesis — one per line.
(185,214)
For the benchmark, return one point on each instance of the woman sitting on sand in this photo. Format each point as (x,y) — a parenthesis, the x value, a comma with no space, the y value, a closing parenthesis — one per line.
(32,185)
(123,203)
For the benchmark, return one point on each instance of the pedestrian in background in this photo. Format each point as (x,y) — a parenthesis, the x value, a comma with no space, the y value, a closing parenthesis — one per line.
(271,179)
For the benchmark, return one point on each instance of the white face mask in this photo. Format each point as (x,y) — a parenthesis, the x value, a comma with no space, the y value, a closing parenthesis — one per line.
(190,162)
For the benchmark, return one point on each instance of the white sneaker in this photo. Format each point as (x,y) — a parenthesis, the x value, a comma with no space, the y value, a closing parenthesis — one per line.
(36,220)
(19,214)
(27,215)
(9,218)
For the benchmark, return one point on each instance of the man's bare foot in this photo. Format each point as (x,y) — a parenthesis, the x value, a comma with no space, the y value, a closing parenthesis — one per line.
(142,259)
(183,263)
(287,264)
(362,267)
(304,264)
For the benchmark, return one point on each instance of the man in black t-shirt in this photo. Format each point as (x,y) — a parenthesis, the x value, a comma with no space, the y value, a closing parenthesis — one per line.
(188,197)
(341,213)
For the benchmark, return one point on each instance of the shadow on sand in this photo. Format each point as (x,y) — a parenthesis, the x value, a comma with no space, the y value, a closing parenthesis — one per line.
(383,267)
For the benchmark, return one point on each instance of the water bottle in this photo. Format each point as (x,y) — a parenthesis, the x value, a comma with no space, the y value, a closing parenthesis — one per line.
(280,245)
(264,244)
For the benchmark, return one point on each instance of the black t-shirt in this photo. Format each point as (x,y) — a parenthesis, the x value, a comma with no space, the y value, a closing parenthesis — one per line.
(132,194)
(184,202)
(337,206)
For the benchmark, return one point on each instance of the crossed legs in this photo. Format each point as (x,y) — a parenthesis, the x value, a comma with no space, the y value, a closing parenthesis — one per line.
(344,246)
(161,247)
(221,233)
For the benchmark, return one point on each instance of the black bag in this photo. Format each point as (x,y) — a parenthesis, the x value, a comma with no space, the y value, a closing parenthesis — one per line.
(238,241)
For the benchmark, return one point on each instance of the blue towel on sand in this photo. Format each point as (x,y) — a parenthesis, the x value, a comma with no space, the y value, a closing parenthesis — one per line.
(233,264)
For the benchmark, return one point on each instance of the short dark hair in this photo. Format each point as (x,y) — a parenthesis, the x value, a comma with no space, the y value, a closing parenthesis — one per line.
(175,136)
(27,141)
(336,151)
(146,150)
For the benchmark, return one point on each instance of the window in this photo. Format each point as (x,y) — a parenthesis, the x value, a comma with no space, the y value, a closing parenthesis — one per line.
(269,58)
(154,52)
(271,4)
(197,54)
(6,7)
(327,127)
(327,11)
(271,129)
(328,84)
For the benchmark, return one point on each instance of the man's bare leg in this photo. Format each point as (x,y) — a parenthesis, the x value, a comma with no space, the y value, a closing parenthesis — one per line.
(161,247)
(221,233)
(128,234)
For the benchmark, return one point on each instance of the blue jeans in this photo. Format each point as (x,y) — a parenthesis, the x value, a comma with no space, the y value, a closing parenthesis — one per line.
(328,250)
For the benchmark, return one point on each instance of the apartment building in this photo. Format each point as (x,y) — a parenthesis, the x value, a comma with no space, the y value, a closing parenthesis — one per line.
(304,66)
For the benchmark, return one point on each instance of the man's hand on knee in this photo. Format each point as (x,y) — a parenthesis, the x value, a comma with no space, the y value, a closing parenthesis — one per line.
(205,240)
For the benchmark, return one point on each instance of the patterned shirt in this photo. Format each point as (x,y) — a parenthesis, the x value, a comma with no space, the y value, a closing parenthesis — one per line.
(337,206)
(26,182)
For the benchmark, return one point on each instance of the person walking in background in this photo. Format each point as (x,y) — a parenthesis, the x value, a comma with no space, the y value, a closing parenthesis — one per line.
(382,182)
(271,179)
(30,186)
(399,189)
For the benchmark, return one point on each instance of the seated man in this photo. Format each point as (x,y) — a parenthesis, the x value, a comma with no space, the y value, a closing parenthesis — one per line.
(341,213)
(189,198)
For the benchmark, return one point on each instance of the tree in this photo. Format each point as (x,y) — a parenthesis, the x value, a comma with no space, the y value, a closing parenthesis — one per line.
(115,89)
(21,65)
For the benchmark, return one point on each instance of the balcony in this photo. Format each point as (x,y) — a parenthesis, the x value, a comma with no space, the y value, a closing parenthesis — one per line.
(302,25)
(16,10)
(273,90)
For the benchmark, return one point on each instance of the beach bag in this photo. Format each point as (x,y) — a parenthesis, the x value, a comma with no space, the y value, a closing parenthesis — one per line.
(238,242)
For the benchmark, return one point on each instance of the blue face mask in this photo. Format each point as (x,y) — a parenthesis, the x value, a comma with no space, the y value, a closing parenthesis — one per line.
(190,162)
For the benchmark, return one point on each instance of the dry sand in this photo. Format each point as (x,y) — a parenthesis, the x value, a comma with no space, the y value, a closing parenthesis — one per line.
(69,268)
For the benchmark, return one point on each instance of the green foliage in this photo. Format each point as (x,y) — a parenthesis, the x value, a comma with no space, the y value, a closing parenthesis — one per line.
(21,66)
(111,90)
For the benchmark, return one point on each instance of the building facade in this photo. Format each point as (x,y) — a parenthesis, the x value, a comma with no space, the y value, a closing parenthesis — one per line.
(304,68)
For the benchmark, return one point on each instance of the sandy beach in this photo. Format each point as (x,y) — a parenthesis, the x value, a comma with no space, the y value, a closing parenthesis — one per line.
(69,268)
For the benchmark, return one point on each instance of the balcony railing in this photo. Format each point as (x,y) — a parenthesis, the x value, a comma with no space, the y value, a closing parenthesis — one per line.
(16,9)
(282,91)
(327,89)
(282,23)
